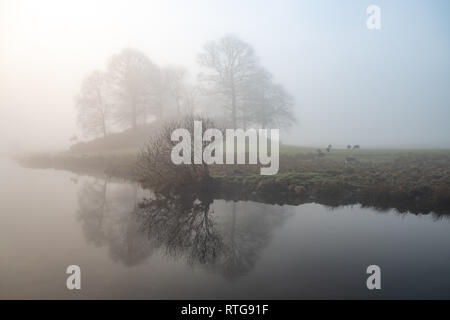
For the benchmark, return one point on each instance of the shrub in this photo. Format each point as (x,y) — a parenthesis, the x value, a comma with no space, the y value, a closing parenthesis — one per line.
(155,168)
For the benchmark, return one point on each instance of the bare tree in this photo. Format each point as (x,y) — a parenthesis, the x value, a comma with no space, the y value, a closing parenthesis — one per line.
(93,105)
(192,93)
(175,85)
(231,64)
(135,82)
(269,104)
(156,170)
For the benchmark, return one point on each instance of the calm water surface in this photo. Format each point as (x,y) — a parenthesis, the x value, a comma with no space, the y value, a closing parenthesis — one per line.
(208,250)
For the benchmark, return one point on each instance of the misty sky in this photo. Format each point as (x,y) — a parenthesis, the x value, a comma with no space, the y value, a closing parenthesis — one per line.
(352,85)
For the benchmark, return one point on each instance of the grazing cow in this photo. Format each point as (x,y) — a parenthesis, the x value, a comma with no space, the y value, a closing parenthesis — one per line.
(320,153)
(350,159)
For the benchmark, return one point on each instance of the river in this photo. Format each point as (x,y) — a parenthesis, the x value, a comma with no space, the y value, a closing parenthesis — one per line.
(213,249)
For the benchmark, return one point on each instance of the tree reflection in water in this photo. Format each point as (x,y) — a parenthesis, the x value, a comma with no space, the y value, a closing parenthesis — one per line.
(222,236)
(104,214)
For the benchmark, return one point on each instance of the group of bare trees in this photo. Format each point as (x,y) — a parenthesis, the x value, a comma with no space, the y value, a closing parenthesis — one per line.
(134,90)
(131,90)
(245,89)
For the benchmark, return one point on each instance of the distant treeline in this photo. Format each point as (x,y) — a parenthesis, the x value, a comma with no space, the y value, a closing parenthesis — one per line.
(232,87)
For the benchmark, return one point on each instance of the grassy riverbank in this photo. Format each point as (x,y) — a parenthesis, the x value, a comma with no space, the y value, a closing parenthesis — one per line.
(418,183)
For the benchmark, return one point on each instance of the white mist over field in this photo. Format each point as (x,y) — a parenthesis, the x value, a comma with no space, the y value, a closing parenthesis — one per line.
(376,88)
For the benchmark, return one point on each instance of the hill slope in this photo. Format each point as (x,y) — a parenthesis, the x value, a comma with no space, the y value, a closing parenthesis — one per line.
(130,140)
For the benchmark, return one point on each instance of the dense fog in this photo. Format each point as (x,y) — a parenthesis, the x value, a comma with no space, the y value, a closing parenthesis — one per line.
(349,84)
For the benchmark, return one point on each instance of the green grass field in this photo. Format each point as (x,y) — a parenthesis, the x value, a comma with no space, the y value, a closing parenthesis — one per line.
(363,155)
(373,155)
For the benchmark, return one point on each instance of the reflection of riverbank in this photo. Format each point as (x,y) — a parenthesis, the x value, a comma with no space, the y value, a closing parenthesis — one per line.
(412,183)
(118,165)
(224,237)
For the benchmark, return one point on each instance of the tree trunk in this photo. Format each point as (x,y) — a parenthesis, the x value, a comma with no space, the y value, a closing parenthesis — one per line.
(178,107)
(104,128)
(133,115)
(233,106)
(160,103)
